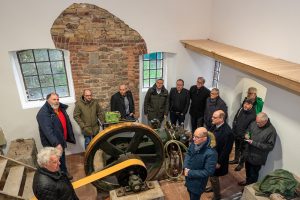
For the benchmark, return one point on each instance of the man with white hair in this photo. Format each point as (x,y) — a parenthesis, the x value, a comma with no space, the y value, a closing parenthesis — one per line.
(49,183)
(55,126)
(260,138)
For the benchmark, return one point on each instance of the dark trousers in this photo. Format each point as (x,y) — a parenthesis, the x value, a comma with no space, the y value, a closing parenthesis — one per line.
(194,196)
(215,184)
(62,160)
(176,117)
(196,122)
(252,172)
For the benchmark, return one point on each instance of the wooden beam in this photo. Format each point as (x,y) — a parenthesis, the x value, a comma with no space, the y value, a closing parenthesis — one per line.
(281,73)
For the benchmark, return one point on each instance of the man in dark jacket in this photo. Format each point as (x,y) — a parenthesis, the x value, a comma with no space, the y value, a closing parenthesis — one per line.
(87,112)
(179,101)
(156,102)
(199,163)
(213,103)
(258,102)
(198,95)
(242,119)
(261,140)
(122,101)
(55,126)
(224,141)
(49,183)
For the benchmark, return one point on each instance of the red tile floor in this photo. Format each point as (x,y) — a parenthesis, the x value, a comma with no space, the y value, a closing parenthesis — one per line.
(172,190)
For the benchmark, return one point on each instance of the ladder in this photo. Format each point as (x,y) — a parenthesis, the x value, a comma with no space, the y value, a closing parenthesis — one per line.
(15,179)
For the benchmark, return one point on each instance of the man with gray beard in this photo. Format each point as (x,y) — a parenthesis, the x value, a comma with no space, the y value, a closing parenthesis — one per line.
(55,127)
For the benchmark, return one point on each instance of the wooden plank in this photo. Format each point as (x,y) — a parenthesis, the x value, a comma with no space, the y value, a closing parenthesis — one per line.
(276,71)
(3,163)
(13,181)
(28,193)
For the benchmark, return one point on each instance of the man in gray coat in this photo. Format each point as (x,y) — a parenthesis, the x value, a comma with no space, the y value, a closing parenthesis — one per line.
(261,138)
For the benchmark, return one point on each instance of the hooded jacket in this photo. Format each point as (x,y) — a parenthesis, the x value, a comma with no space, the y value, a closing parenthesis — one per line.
(156,105)
(52,186)
(202,164)
(50,127)
(86,114)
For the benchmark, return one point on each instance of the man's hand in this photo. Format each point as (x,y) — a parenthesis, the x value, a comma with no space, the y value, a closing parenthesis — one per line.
(247,136)
(218,166)
(249,141)
(59,147)
(131,114)
(186,171)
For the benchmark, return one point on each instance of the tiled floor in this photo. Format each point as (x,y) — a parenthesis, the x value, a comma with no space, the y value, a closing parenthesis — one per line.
(172,190)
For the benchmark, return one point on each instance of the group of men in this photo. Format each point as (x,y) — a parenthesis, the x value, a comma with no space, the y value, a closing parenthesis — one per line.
(254,136)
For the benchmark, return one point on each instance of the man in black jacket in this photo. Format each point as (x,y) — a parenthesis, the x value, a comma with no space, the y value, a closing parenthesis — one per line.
(55,127)
(244,116)
(179,101)
(122,101)
(224,141)
(49,183)
(261,138)
(198,95)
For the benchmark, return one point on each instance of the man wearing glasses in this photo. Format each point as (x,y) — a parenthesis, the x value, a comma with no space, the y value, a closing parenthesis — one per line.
(199,163)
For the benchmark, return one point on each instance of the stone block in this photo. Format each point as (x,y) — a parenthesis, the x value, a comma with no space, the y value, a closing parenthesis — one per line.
(23,150)
(152,194)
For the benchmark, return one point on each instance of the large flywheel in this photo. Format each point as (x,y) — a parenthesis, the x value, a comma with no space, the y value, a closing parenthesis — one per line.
(118,141)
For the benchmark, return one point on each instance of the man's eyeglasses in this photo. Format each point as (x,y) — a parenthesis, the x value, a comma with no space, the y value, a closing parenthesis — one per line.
(198,137)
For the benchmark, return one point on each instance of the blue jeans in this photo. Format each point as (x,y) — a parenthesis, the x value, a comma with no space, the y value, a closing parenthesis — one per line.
(194,196)
(87,140)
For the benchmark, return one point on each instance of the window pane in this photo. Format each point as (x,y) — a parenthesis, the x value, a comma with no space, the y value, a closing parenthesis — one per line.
(153,64)
(32,82)
(60,79)
(26,56)
(146,83)
(159,55)
(152,56)
(153,74)
(159,64)
(58,67)
(46,80)
(146,65)
(34,94)
(62,91)
(152,81)
(28,69)
(159,73)
(55,55)
(146,74)
(41,55)
(44,68)
(47,91)
(146,56)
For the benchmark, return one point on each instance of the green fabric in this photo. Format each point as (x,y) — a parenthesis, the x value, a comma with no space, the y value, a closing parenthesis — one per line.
(112,117)
(279,181)
(259,105)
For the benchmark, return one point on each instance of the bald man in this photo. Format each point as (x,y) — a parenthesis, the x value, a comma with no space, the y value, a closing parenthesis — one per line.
(122,101)
(199,163)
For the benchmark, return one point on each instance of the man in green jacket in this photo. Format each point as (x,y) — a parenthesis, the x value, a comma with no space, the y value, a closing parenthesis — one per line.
(156,103)
(87,112)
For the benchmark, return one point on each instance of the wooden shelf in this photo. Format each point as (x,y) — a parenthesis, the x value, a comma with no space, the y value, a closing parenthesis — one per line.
(276,71)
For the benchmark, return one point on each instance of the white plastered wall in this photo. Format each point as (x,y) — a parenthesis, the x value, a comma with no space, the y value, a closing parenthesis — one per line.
(271,27)
(27,24)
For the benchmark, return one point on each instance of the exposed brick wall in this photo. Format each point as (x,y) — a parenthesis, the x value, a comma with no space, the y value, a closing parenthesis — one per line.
(104,51)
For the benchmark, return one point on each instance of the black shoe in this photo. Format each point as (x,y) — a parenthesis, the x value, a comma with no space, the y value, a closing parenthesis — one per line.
(231,162)
(242,183)
(208,189)
(239,167)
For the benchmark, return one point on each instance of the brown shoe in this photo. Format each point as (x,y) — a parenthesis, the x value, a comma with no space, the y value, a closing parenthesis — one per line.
(242,183)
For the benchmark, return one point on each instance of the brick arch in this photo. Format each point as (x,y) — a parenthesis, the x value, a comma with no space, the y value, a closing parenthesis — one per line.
(104,51)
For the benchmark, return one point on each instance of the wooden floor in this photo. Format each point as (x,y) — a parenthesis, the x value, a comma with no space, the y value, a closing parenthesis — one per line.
(172,190)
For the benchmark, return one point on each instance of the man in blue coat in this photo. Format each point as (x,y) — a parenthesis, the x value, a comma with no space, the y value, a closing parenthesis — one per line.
(55,127)
(199,163)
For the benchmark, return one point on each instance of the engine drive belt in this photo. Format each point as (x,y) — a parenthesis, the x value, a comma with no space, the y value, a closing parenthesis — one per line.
(106,172)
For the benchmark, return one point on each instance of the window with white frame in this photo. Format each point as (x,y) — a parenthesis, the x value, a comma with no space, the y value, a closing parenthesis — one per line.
(153,68)
(40,72)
